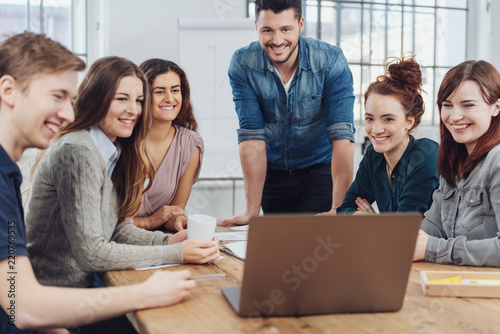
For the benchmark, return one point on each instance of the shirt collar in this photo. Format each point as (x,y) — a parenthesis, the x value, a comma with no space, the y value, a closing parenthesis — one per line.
(110,151)
(303,54)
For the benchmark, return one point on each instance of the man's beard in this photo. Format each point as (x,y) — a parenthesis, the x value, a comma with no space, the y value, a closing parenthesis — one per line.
(281,61)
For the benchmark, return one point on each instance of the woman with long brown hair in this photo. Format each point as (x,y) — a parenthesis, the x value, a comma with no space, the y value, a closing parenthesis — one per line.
(176,148)
(463,223)
(90,181)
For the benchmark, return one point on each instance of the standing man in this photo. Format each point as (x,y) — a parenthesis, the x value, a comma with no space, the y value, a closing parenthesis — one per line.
(294,100)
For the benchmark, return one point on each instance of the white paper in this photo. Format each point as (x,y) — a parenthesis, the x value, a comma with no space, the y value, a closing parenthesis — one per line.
(239,248)
(239,228)
(232,236)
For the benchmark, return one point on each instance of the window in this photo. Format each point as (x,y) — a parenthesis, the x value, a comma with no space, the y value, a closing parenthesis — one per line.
(61,20)
(370,31)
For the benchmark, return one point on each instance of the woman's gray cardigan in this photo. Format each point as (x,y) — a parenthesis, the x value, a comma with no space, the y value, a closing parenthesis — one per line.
(72,220)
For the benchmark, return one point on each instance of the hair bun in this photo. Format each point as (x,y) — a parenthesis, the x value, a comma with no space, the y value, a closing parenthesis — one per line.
(405,71)
(402,79)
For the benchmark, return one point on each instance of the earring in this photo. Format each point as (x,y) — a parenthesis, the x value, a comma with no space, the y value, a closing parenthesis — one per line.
(495,114)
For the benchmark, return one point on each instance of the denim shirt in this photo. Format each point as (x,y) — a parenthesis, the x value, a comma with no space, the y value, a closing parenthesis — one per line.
(413,180)
(298,128)
(463,222)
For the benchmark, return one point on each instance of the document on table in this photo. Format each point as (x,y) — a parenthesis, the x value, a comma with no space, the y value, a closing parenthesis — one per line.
(237,249)
(232,236)
(239,228)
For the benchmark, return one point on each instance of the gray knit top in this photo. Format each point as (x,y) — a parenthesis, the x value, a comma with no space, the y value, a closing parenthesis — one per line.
(72,217)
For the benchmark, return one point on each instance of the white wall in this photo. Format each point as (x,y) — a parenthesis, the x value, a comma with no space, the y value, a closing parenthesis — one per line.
(484,31)
(144,29)
(494,33)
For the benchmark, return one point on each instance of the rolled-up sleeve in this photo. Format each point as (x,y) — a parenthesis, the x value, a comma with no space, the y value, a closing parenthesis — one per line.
(340,131)
(246,103)
(338,99)
(251,134)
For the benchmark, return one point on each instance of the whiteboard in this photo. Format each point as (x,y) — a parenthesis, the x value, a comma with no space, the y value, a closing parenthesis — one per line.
(205,50)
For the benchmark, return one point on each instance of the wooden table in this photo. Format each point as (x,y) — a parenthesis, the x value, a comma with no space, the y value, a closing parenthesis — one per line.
(205,310)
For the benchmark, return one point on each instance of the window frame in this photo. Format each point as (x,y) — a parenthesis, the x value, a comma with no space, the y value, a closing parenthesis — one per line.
(78,41)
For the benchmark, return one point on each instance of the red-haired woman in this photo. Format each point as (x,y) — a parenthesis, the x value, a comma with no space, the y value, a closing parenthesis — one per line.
(398,171)
(462,225)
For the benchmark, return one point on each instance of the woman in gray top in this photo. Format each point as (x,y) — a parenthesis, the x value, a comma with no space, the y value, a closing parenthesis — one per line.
(90,181)
(462,226)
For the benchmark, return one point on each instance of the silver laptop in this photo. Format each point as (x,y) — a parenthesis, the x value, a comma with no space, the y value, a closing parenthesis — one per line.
(303,264)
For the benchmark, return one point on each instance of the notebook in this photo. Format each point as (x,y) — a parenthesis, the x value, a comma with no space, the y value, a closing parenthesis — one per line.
(308,264)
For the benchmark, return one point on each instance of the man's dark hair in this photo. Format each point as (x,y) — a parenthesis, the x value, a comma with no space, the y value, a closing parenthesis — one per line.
(277,6)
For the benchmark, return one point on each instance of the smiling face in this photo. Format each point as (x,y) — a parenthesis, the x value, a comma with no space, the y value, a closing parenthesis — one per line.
(167,97)
(125,109)
(387,125)
(467,115)
(44,107)
(279,35)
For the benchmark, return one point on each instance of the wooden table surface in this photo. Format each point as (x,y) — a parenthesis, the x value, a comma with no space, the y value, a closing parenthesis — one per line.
(206,310)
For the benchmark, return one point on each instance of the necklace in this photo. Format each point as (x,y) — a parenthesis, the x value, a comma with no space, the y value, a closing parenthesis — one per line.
(389,172)
(389,169)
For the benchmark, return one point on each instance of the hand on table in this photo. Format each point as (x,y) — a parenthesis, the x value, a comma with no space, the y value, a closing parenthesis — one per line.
(176,223)
(332,212)
(166,287)
(236,220)
(162,217)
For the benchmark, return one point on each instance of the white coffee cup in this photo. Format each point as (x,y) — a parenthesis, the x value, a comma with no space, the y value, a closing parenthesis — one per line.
(201,227)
